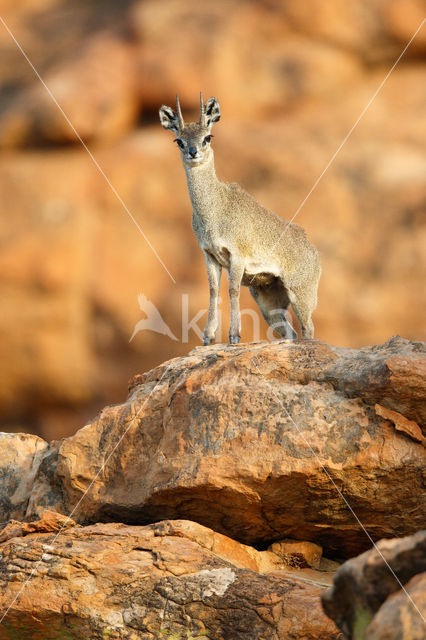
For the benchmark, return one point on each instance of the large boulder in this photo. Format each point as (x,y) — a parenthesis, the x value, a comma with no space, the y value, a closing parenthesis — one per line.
(381,594)
(260,442)
(20,456)
(167,580)
(292,69)
(402,616)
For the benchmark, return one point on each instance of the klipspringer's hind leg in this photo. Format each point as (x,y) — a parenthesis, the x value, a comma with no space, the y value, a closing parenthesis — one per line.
(303,304)
(273,303)
(279,322)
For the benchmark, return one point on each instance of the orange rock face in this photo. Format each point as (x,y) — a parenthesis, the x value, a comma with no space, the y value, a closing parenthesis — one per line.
(50,522)
(298,554)
(172,580)
(95,89)
(258,442)
(398,617)
(253,445)
(409,427)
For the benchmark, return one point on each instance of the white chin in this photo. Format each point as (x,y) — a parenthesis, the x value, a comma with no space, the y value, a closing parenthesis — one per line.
(194,160)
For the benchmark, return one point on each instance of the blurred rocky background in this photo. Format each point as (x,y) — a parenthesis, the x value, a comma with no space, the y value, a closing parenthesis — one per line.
(292,77)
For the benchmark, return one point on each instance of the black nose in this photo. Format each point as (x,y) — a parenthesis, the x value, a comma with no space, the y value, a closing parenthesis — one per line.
(192,151)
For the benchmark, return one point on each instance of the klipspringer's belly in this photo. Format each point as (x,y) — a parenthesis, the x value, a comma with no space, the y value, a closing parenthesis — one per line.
(262,279)
(259,273)
(255,273)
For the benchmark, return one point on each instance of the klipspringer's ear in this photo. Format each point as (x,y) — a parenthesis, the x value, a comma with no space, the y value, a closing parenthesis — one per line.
(212,111)
(169,119)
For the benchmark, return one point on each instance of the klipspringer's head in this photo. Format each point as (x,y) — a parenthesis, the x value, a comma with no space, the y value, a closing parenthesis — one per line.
(194,138)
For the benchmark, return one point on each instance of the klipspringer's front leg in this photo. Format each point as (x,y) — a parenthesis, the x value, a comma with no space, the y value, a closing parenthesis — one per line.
(214,271)
(235,276)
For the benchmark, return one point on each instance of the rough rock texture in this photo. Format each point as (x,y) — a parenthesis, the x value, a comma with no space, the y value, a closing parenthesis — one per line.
(20,456)
(401,423)
(51,521)
(298,554)
(366,585)
(246,440)
(292,78)
(261,448)
(397,619)
(168,580)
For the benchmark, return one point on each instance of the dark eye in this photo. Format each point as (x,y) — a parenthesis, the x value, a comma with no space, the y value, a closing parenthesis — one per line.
(180,143)
(206,140)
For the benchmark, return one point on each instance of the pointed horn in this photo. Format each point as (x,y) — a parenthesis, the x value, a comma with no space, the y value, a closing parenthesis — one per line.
(179,113)
(202,119)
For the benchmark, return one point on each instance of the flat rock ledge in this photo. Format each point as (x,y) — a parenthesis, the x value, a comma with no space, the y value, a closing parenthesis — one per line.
(171,580)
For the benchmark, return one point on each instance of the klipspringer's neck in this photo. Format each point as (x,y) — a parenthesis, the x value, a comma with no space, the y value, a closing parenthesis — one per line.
(205,190)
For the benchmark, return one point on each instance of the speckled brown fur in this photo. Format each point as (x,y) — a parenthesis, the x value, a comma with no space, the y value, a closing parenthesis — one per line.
(235,232)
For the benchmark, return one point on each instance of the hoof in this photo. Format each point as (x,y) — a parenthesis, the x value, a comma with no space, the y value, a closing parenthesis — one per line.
(207,341)
(234,339)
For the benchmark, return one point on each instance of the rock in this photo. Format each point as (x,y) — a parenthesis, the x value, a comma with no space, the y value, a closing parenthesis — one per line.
(20,456)
(291,70)
(246,440)
(89,68)
(401,423)
(73,320)
(168,580)
(376,30)
(393,373)
(361,586)
(298,554)
(328,565)
(399,18)
(51,521)
(397,618)
(95,89)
